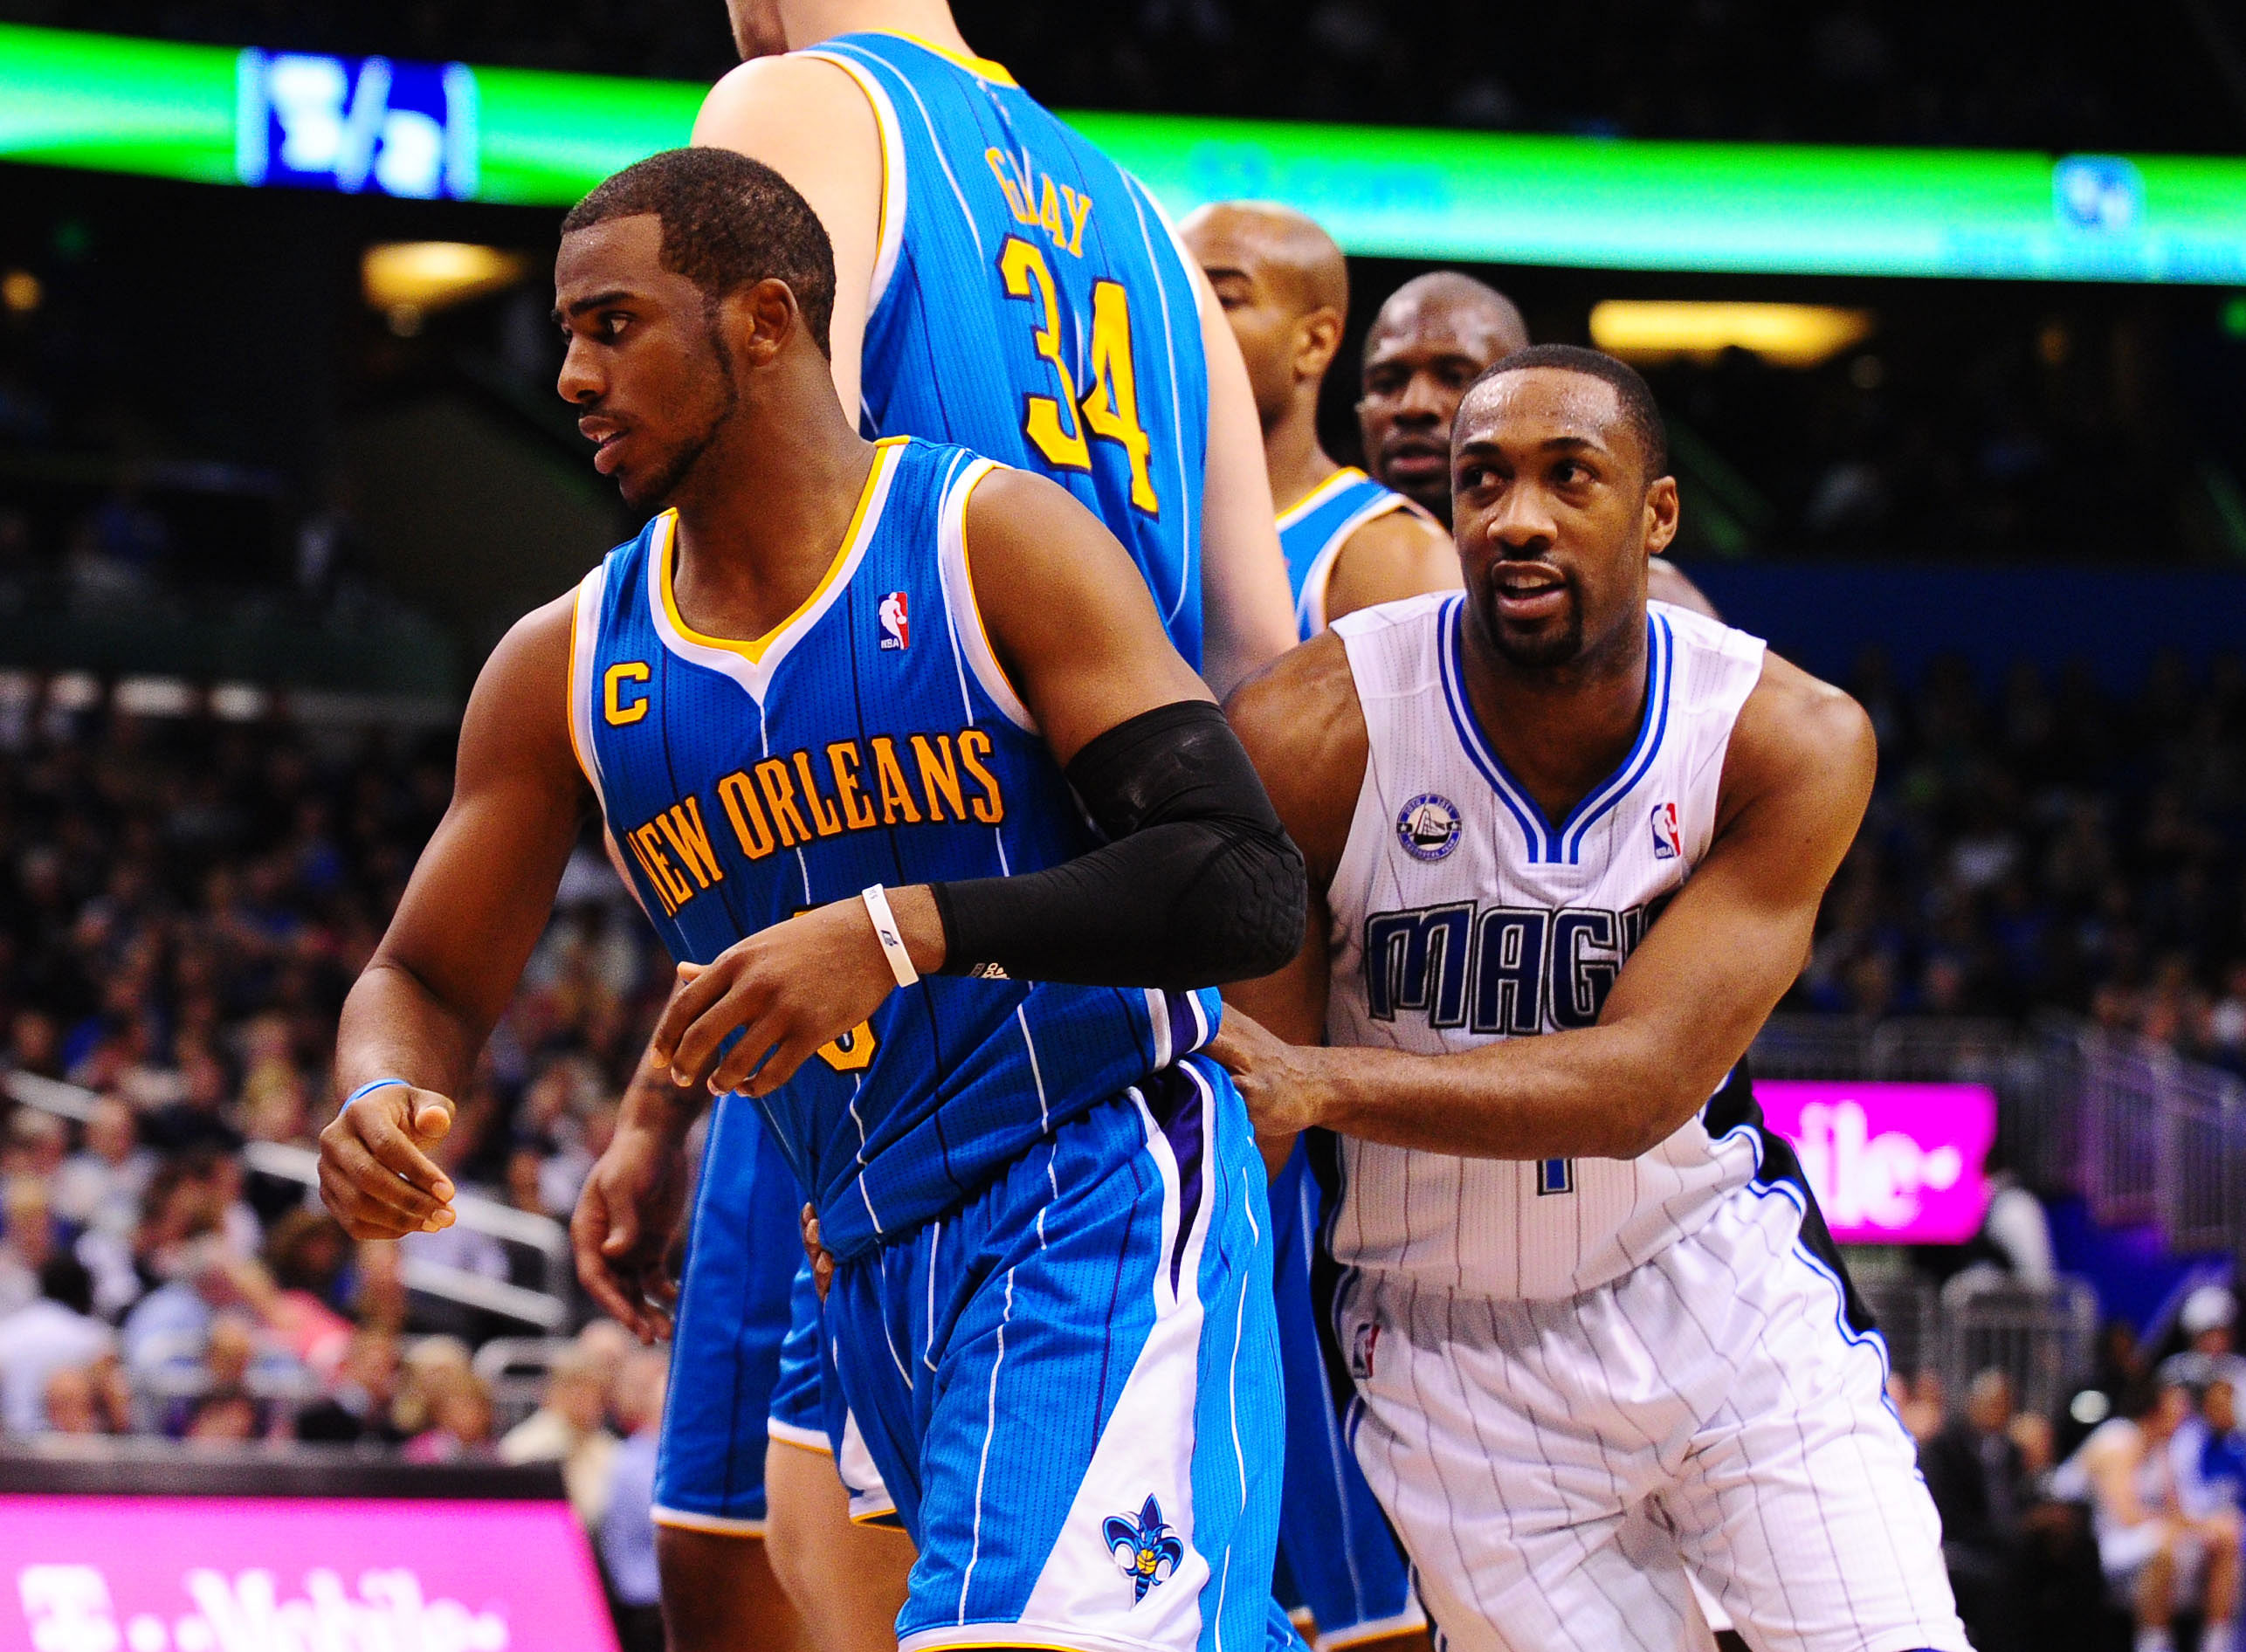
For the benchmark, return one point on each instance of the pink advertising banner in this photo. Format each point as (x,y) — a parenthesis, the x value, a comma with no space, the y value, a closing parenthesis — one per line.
(1890,1164)
(295,1574)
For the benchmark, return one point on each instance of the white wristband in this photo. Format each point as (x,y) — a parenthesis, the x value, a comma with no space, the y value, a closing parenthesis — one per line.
(885,931)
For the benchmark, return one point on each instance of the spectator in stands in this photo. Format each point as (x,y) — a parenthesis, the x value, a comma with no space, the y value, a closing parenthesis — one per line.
(32,1236)
(70,1402)
(357,1405)
(460,1424)
(2209,1455)
(570,1427)
(2206,1320)
(431,1365)
(2157,1558)
(99,1187)
(57,1332)
(37,1145)
(304,1255)
(1981,1485)
(627,1530)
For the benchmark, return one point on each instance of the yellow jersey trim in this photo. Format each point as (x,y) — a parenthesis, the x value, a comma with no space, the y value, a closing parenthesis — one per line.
(1340,479)
(983,67)
(754,651)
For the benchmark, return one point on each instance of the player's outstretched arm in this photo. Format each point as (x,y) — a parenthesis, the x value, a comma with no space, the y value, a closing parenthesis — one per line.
(1684,1009)
(807,119)
(1390,558)
(1197,884)
(1247,607)
(479,899)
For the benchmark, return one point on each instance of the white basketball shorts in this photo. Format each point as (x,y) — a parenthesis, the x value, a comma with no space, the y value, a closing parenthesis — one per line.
(1556,1469)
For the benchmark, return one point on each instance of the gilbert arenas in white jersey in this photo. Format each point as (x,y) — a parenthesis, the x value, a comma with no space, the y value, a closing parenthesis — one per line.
(1567,848)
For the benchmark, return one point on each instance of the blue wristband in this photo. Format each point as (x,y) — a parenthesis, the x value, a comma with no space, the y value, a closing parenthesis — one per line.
(371,1087)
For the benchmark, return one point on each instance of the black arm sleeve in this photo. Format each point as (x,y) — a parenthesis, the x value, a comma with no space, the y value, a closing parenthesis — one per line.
(1198,884)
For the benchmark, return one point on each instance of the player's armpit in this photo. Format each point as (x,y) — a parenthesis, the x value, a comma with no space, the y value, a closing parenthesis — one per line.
(811,122)
(1068,613)
(1684,1007)
(1390,558)
(1247,609)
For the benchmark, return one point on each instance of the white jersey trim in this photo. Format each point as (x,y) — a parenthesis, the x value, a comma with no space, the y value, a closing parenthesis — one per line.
(585,650)
(957,577)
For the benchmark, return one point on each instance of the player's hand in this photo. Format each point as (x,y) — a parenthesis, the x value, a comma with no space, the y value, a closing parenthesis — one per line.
(787,989)
(822,1259)
(375,1174)
(621,1230)
(1284,1085)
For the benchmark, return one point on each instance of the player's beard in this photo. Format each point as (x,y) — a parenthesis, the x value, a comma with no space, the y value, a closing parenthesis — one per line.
(1544,649)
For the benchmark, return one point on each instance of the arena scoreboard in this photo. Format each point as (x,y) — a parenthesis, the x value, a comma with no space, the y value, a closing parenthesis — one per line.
(249,116)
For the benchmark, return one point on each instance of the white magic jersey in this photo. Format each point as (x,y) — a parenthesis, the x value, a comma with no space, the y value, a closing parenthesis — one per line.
(1462,916)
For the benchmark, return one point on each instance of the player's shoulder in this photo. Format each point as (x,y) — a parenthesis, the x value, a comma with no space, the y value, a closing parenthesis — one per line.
(1301,719)
(1799,732)
(779,91)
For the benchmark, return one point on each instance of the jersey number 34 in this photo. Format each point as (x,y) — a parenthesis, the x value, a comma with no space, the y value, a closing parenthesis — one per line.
(1059,426)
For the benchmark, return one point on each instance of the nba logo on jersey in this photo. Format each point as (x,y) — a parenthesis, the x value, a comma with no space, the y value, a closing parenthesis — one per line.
(896,622)
(1666,843)
(1427,826)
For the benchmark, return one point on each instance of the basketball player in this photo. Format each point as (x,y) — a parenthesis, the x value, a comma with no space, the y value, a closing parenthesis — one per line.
(1349,542)
(945,654)
(1436,335)
(1003,285)
(1598,1331)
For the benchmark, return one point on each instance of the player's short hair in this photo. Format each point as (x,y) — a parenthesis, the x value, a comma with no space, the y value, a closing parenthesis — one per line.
(1640,411)
(728,222)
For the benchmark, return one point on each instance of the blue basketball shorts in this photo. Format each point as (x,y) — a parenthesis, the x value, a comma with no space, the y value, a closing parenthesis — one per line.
(1071,1386)
(744,1250)
(1335,1546)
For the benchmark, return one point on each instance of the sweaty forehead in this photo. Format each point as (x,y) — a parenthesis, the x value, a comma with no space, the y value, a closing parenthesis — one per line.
(1540,404)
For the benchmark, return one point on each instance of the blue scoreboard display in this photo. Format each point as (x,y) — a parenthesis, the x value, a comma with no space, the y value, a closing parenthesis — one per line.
(356,124)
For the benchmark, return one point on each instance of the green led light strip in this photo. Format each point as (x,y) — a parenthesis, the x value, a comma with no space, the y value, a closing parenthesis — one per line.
(542,139)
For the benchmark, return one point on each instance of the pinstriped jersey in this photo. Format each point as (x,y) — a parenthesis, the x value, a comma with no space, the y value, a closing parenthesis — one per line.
(1029,302)
(1313,530)
(1462,916)
(871,738)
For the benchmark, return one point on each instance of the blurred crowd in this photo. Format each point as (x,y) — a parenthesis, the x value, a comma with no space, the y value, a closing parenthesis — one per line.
(2115,1523)
(2040,842)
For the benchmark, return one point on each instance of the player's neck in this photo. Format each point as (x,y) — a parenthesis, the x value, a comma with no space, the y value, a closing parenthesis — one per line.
(1561,729)
(763,516)
(1292,457)
(809,22)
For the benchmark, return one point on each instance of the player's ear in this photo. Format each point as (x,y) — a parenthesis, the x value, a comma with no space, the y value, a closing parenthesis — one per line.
(764,317)
(1318,337)
(1661,508)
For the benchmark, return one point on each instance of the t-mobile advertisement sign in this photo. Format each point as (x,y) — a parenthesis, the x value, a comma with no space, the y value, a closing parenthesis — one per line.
(296,1574)
(1890,1164)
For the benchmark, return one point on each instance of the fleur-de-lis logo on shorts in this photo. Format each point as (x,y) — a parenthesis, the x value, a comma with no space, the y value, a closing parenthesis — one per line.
(1145,1548)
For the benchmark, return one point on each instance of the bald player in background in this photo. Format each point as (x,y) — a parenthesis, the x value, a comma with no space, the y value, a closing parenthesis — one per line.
(1436,335)
(1350,542)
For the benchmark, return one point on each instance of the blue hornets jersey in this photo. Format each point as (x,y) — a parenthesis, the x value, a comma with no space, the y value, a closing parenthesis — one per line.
(871,738)
(1313,530)
(1029,302)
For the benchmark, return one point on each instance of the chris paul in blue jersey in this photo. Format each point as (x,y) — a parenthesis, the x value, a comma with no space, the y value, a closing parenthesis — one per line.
(834,707)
